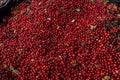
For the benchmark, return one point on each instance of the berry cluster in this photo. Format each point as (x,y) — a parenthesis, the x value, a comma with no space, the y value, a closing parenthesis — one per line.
(61,40)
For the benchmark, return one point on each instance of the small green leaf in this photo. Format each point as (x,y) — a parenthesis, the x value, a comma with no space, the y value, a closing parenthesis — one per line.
(73,20)
(75,63)
(93,0)
(21,51)
(83,44)
(64,56)
(1,44)
(11,68)
(96,65)
(4,66)
(15,71)
(106,0)
(66,44)
(93,27)
(78,9)
(106,78)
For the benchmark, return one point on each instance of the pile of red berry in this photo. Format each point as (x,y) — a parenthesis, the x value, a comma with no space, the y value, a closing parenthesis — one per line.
(61,40)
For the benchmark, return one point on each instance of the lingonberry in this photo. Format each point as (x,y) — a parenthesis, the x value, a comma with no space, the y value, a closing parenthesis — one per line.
(61,39)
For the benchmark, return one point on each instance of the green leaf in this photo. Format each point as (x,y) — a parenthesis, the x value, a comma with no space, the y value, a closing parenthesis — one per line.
(78,9)
(4,66)
(73,20)
(15,71)
(75,63)
(93,27)
(66,44)
(21,51)
(106,78)
(1,44)
(11,68)
(106,0)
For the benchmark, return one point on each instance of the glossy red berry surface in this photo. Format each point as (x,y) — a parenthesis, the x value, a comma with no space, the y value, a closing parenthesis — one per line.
(61,40)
